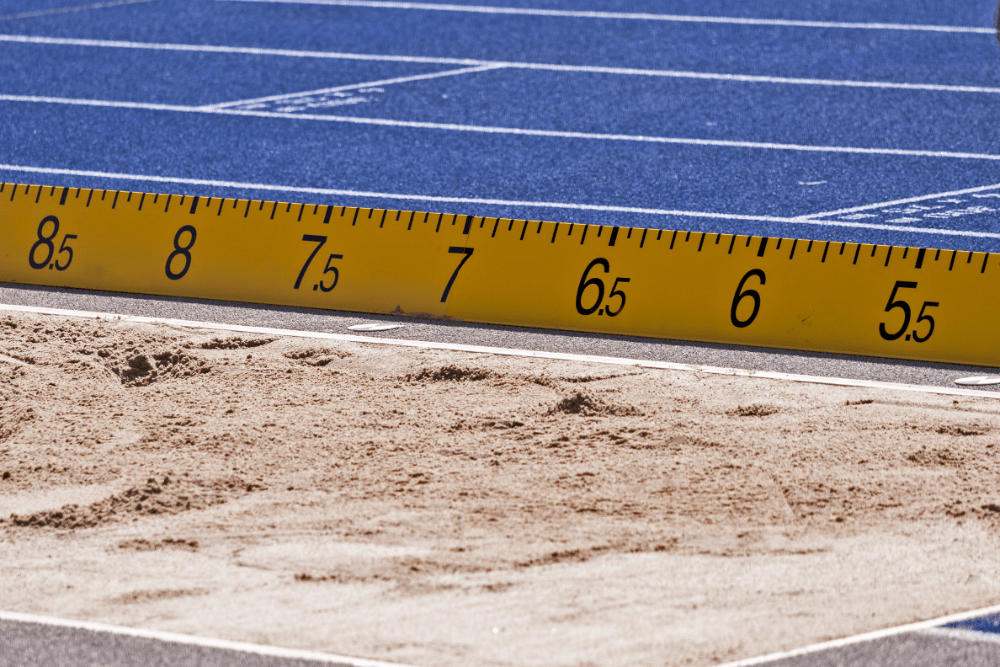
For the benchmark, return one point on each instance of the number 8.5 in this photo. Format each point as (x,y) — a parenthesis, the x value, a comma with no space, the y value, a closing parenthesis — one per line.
(47,242)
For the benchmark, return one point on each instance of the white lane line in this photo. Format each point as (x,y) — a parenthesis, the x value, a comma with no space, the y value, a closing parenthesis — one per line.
(65,10)
(111,104)
(899,202)
(388,195)
(353,86)
(859,639)
(511,352)
(490,202)
(514,131)
(961,634)
(586,69)
(751,78)
(238,50)
(189,640)
(629,16)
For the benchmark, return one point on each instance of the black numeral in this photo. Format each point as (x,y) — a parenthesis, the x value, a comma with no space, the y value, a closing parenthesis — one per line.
(616,292)
(50,247)
(922,316)
(65,248)
(184,251)
(747,294)
(336,274)
(320,241)
(586,282)
(455,250)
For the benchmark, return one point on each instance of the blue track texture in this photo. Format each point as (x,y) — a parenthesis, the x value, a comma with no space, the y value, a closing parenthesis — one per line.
(989,624)
(841,120)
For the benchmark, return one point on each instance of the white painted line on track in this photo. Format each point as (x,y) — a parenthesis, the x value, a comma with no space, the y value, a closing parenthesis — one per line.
(514,131)
(899,202)
(961,635)
(190,640)
(390,195)
(240,50)
(65,10)
(629,16)
(510,352)
(354,86)
(585,69)
(867,637)
(491,202)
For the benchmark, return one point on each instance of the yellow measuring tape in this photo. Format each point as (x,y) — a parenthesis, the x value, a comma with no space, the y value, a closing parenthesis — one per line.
(889,301)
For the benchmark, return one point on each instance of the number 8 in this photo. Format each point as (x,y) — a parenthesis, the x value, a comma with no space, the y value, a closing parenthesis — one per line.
(184,251)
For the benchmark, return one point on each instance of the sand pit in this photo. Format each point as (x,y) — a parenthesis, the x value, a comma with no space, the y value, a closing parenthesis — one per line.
(438,508)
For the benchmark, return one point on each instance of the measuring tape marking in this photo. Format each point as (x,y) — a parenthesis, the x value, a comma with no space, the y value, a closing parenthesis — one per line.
(705,286)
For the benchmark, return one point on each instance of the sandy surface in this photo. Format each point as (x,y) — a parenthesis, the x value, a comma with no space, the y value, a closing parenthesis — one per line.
(438,508)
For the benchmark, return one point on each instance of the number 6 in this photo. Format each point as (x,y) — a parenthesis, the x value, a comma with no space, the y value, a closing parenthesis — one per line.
(751,294)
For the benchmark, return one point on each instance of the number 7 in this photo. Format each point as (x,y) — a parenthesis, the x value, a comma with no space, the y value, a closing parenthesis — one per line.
(309,238)
(457,251)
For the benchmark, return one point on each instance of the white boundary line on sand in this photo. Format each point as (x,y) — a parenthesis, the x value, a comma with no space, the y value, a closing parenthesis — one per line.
(866,637)
(510,352)
(627,16)
(500,64)
(190,640)
(495,202)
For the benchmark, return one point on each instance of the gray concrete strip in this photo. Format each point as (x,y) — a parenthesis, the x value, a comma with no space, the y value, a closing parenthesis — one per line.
(912,649)
(34,641)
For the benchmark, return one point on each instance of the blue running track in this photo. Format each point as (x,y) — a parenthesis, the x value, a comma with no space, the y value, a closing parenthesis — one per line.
(845,120)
